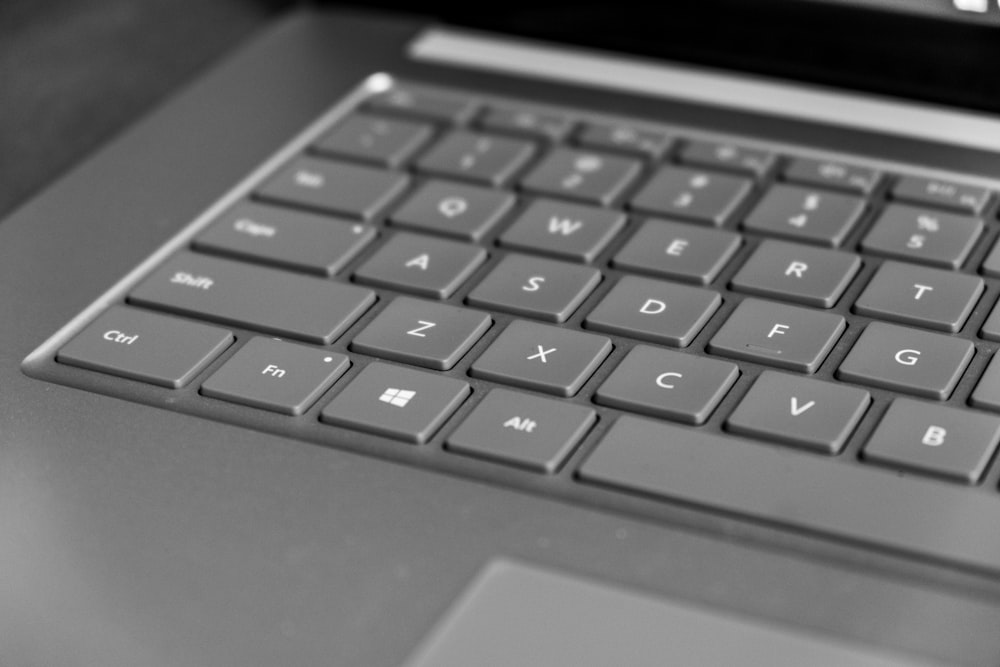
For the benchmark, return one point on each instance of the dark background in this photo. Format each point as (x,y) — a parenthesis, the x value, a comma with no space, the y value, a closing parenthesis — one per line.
(75,72)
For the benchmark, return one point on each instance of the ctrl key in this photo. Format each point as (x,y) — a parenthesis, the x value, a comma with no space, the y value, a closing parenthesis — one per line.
(149,347)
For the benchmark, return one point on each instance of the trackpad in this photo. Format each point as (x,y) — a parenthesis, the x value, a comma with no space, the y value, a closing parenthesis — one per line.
(518,616)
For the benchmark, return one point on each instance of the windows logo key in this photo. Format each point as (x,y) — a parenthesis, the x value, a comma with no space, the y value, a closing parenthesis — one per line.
(397,397)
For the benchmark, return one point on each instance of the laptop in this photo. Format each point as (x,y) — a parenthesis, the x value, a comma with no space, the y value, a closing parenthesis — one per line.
(549,335)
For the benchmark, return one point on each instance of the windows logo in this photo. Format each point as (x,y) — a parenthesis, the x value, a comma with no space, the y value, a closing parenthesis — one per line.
(397,397)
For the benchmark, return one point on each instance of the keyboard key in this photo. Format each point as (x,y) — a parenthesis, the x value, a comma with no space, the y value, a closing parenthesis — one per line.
(778,335)
(664,383)
(798,411)
(804,491)
(753,162)
(653,310)
(335,187)
(802,214)
(943,194)
(426,334)
(930,298)
(382,141)
(534,287)
(464,211)
(531,123)
(134,344)
(946,442)
(907,360)
(268,300)
(991,265)
(396,402)
(624,139)
(286,238)
(691,194)
(560,229)
(421,265)
(522,430)
(832,174)
(924,236)
(422,104)
(991,327)
(679,251)
(476,157)
(544,358)
(987,392)
(793,272)
(275,375)
(590,177)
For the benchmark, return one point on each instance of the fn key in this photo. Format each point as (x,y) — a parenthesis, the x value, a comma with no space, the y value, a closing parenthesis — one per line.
(145,346)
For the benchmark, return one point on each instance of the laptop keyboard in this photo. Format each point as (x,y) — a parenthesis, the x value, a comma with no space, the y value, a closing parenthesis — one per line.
(605,303)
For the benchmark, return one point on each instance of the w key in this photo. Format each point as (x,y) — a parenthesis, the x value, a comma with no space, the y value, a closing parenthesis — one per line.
(563,230)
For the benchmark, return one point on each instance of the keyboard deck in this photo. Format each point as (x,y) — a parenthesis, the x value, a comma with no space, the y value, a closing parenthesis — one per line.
(588,307)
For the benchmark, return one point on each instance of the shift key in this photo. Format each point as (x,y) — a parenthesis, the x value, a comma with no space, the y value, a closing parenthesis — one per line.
(266,300)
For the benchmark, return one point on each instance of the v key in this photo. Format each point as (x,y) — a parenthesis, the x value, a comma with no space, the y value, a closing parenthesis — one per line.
(799,409)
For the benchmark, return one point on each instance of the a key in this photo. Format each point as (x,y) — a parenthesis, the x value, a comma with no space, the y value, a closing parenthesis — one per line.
(802,412)
(560,229)
(383,141)
(590,177)
(669,384)
(396,402)
(803,214)
(543,358)
(144,346)
(421,265)
(423,104)
(535,287)
(692,194)
(268,300)
(453,209)
(924,236)
(832,174)
(522,430)
(527,122)
(940,193)
(626,139)
(917,295)
(285,238)
(473,156)
(907,360)
(679,251)
(753,162)
(987,391)
(335,187)
(933,439)
(778,335)
(274,375)
(422,333)
(991,327)
(653,310)
(793,272)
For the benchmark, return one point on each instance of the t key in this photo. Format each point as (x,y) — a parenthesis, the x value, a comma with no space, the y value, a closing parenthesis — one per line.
(771,333)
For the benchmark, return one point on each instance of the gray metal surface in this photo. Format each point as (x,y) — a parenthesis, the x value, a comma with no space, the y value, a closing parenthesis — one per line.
(133,534)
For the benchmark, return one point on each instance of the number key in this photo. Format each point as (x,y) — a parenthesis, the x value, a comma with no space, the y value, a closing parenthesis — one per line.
(803,214)
(691,194)
(921,235)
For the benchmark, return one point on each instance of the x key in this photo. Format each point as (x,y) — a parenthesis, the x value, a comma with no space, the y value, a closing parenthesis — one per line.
(544,358)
